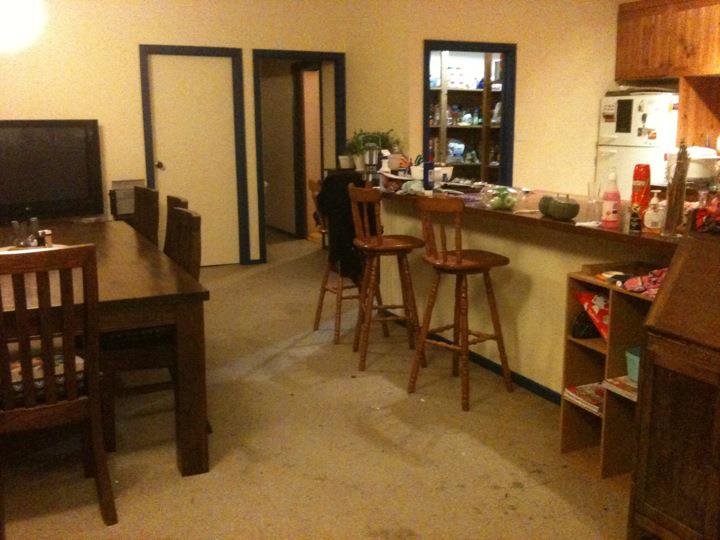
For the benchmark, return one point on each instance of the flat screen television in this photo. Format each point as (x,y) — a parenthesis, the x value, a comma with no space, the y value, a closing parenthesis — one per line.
(49,168)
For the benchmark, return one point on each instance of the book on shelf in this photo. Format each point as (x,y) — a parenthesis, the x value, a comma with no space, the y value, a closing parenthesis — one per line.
(622,386)
(588,396)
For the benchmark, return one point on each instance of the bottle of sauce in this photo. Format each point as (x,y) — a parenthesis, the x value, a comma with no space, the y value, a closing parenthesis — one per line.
(610,218)
(640,196)
(654,217)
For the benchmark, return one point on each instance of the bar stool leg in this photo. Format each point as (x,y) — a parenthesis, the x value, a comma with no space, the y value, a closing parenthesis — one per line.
(374,263)
(464,336)
(408,295)
(456,326)
(323,290)
(422,336)
(378,298)
(361,303)
(507,375)
(338,306)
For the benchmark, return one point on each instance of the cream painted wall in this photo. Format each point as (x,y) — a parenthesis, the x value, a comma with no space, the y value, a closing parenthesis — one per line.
(86,66)
(565,63)
(312,124)
(276,87)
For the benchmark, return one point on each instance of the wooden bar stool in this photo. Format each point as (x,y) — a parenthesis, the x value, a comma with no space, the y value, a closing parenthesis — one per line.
(460,262)
(340,284)
(370,240)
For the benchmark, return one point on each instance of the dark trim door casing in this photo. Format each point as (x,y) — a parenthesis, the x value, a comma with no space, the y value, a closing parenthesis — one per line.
(340,122)
(507,132)
(239,120)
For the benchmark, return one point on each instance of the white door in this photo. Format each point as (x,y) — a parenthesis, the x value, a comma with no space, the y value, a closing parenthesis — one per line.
(194,139)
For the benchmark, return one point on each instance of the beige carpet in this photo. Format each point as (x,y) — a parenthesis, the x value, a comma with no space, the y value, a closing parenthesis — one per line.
(305,446)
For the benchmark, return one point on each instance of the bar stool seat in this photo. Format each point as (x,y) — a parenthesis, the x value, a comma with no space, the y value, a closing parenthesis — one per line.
(371,241)
(461,263)
(389,242)
(471,261)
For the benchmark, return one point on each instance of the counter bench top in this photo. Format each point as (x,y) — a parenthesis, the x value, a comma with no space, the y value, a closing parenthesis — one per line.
(526,213)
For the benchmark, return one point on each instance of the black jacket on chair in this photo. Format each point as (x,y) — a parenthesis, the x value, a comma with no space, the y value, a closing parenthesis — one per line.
(334,203)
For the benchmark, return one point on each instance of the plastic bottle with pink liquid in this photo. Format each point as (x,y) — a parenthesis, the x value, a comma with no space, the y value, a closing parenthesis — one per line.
(610,218)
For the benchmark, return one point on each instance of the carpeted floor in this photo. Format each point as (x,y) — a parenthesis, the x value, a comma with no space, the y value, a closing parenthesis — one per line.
(305,446)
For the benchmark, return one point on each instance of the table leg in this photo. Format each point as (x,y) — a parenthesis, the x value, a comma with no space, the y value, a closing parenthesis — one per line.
(191,400)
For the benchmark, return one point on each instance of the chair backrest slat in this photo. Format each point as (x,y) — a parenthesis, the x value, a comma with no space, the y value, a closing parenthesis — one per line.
(146,216)
(435,210)
(7,395)
(22,324)
(68,330)
(46,336)
(366,213)
(185,247)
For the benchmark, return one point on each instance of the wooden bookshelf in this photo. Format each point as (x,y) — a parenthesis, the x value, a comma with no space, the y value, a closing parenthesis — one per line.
(594,360)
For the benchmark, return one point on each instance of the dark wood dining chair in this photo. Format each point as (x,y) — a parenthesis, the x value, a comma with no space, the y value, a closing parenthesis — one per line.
(371,240)
(45,381)
(149,348)
(454,260)
(172,202)
(146,216)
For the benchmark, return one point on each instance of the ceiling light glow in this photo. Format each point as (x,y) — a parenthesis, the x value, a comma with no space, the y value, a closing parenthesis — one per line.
(21,23)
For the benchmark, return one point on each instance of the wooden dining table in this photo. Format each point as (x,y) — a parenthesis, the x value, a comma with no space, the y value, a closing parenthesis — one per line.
(140,287)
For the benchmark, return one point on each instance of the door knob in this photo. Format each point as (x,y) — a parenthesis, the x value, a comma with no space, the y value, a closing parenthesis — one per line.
(159,165)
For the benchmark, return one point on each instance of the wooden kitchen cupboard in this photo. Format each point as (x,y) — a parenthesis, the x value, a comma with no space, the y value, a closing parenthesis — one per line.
(659,39)
(611,425)
(676,481)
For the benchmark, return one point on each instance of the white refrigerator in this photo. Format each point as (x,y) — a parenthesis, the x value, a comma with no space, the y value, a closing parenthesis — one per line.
(636,128)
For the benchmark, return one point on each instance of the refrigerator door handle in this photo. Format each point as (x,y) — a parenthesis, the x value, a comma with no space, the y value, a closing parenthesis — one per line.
(607,151)
(607,139)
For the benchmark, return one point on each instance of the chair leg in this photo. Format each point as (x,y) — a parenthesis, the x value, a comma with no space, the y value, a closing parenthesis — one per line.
(338,307)
(464,353)
(507,374)
(323,289)
(374,263)
(378,298)
(102,475)
(408,294)
(107,399)
(87,453)
(422,335)
(2,504)
(361,303)
(457,325)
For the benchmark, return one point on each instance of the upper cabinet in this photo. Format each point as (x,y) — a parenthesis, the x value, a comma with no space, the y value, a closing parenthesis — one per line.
(660,39)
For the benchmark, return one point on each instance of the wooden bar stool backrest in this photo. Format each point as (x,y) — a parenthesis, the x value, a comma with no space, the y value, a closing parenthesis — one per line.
(185,246)
(40,292)
(146,217)
(172,202)
(365,204)
(436,210)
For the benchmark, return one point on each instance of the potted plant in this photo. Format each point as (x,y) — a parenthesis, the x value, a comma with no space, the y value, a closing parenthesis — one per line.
(356,144)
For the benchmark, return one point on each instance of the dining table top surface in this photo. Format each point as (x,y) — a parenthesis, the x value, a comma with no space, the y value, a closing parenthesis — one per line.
(130,267)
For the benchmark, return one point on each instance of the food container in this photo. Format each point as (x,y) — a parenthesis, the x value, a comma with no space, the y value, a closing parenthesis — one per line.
(391,182)
(632,358)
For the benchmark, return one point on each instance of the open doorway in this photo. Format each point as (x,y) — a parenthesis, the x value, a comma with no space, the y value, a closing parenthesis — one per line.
(300,126)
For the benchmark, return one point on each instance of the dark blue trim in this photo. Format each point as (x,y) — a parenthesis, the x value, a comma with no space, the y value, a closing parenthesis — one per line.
(340,120)
(507,131)
(534,387)
(235,56)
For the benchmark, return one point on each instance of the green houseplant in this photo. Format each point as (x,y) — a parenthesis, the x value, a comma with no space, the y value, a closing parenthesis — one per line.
(356,144)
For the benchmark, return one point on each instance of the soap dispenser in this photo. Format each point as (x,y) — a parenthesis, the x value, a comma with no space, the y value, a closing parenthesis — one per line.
(654,216)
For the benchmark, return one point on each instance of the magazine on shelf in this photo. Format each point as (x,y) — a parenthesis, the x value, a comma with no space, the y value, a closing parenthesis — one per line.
(622,386)
(588,396)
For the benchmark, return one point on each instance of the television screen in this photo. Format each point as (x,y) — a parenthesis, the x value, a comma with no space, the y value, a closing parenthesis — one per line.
(49,168)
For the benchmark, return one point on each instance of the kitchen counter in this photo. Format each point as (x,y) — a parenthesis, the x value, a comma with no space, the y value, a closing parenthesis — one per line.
(531,290)
(527,214)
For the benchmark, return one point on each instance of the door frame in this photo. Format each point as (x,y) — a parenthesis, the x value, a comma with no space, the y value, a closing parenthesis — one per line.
(507,130)
(300,179)
(340,120)
(238,117)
